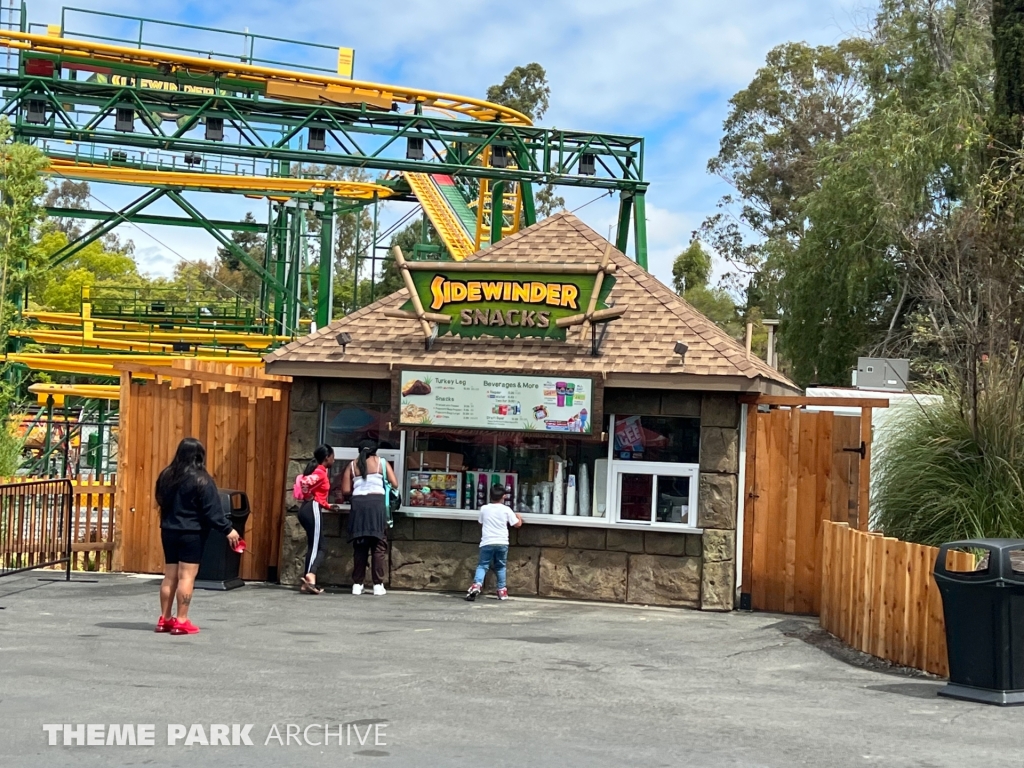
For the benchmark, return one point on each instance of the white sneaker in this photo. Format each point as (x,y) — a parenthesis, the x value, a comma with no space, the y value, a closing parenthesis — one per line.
(378,589)
(357,589)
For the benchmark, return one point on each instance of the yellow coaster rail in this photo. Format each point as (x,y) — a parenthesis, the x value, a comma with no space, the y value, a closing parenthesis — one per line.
(280,83)
(452,233)
(259,186)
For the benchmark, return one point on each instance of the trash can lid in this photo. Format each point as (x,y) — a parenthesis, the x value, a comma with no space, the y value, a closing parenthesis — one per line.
(1002,557)
(997,545)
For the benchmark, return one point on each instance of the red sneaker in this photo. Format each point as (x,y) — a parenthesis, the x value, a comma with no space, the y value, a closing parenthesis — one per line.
(503,594)
(473,592)
(164,625)
(184,628)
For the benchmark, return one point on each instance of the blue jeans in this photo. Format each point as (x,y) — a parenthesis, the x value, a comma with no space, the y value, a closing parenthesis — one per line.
(493,556)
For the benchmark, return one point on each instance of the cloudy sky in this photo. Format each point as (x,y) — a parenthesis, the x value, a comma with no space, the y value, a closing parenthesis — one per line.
(662,69)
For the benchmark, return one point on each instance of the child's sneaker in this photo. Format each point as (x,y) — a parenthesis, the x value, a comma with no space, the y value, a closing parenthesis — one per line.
(503,594)
(357,589)
(473,592)
(378,589)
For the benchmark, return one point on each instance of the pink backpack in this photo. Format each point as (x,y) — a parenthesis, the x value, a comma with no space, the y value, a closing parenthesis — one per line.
(304,486)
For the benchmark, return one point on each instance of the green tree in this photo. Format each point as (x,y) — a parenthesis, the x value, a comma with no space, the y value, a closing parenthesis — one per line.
(803,100)
(68,194)
(1008,56)
(547,202)
(524,89)
(691,272)
(253,243)
(21,212)
(847,161)
(890,191)
(59,289)
(691,268)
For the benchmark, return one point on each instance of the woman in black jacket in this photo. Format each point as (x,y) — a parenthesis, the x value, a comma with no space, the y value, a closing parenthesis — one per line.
(190,508)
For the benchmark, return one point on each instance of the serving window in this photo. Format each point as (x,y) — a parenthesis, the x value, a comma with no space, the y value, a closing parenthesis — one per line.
(644,472)
(530,467)
(655,468)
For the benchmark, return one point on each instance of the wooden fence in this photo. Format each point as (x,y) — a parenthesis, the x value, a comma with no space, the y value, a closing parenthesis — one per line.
(241,416)
(93,524)
(803,468)
(879,596)
(92,521)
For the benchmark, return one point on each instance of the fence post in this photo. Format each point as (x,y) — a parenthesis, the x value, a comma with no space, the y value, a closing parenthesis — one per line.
(66,515)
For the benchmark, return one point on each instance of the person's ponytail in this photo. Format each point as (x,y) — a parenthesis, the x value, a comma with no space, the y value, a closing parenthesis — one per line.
(367,448)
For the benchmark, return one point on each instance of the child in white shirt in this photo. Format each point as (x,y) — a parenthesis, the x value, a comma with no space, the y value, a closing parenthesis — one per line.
(495,518)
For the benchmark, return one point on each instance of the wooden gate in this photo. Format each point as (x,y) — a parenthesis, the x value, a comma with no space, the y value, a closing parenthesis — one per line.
(803,467)
(240,415)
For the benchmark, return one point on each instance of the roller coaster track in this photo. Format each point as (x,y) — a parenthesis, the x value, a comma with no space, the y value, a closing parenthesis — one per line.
(262,186)
(277,83)
(454,234)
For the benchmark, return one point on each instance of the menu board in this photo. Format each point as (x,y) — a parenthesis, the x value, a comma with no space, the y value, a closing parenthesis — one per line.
(508,403)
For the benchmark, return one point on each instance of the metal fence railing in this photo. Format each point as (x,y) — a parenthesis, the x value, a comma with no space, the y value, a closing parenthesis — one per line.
(35,525)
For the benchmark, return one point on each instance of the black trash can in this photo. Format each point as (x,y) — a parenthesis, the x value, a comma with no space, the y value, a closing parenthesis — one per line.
(219,566)
(984,612)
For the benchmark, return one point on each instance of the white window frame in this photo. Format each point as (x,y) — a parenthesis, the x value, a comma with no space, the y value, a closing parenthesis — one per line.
(616,467)
(656,469)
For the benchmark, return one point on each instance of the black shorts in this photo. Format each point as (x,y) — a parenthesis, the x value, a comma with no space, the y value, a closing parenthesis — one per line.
(182,546)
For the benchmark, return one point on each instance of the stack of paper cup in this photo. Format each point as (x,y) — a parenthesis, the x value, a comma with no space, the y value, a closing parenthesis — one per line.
(584,491)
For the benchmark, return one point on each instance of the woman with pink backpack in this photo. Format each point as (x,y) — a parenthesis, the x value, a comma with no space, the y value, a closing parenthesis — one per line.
(312,487)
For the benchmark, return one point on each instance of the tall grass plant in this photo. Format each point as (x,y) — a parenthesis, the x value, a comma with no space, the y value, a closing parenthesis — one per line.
(949,471)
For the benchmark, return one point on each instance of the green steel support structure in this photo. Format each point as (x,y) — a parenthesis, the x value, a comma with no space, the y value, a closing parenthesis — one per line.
(108,226)
(72,117)
(142,218)
(325,284)
(622,230)
(497,210)
(640,229)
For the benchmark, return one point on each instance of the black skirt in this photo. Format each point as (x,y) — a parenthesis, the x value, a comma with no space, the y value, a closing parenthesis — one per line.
(367,517)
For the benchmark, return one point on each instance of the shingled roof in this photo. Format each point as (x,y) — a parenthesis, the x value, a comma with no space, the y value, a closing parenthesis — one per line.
(637,349)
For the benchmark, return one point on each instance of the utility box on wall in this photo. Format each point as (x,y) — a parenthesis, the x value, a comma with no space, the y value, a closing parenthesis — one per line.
(882,373)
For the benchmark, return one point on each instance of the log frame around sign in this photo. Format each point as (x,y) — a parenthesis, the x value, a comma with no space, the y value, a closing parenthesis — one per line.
(590,317)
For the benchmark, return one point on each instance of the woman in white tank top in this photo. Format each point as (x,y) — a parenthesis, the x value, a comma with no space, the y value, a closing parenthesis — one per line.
(363,482)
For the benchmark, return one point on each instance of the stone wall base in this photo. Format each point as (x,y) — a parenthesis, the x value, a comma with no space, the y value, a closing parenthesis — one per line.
(547,561)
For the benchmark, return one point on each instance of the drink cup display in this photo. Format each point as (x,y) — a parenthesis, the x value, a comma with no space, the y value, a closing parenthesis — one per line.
(583,420)
(570,391)
(560,393)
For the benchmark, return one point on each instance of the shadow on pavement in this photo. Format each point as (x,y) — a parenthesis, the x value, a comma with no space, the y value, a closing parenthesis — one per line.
(915,690)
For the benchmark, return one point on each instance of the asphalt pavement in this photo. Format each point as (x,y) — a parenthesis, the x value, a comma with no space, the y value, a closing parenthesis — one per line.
(418,679)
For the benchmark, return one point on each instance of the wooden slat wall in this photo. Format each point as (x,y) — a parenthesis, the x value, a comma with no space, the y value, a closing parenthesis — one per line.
(798,476)
(878,595)
(244,428)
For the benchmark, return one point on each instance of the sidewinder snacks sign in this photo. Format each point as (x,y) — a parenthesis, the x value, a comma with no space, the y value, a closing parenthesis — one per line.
(508,403)
(506,305)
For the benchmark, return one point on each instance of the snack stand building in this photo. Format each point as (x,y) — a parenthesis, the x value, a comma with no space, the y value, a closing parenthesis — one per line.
(555,366)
